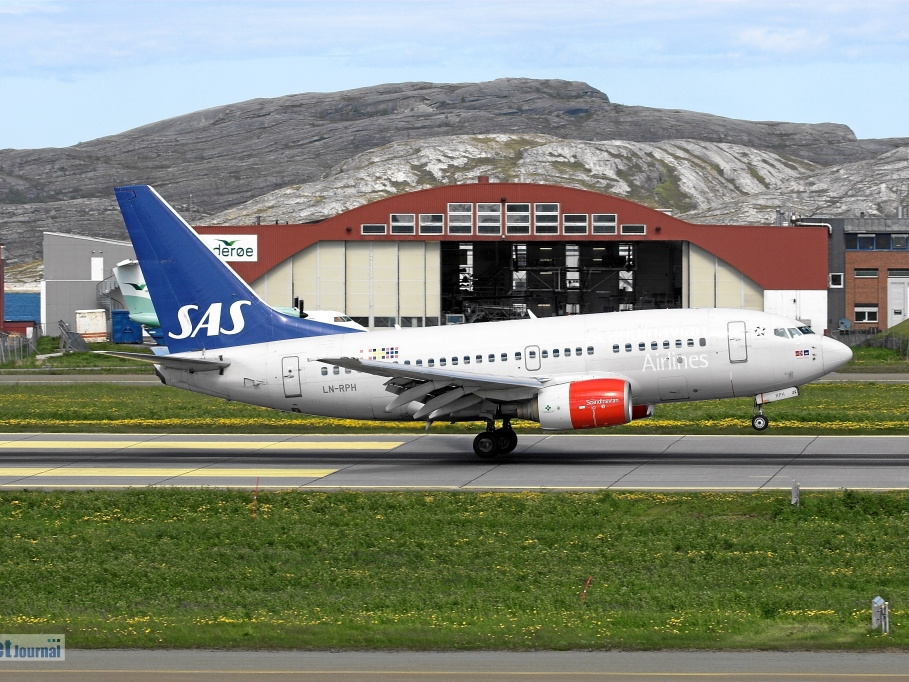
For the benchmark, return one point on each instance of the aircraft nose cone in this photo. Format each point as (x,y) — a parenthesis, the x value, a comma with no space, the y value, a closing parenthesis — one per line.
(836,354)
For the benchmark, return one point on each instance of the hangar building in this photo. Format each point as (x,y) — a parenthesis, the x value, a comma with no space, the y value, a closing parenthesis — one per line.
(489,250)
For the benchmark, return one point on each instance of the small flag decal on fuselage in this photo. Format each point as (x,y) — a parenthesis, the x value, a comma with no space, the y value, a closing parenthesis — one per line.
(390,353)
(802,353)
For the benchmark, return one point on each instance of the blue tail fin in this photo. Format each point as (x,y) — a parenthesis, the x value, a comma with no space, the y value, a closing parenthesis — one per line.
(200,301)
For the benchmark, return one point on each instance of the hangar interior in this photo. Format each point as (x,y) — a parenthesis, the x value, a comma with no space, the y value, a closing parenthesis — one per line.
(494,280)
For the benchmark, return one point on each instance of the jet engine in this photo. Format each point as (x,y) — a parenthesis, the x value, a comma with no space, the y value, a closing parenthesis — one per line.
(584,405)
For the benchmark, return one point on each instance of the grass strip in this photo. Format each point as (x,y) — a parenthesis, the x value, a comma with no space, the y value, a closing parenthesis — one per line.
(822,409)
(194,568)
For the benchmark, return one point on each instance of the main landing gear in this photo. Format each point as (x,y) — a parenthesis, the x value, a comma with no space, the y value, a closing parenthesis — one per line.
(493,442)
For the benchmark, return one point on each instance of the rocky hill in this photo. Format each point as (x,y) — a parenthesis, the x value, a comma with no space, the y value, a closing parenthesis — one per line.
(215,160)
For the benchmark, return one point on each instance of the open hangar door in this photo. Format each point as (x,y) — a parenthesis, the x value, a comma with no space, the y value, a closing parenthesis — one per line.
(503,280)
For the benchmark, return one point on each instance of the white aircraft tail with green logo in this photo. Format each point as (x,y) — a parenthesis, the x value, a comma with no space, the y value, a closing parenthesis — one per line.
(201,303)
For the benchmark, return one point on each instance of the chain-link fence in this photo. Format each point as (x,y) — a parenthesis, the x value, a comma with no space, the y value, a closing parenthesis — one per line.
(873,339)
(15,347)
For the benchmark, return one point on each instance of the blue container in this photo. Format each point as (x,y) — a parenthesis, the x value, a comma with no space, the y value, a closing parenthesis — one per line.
(123,329)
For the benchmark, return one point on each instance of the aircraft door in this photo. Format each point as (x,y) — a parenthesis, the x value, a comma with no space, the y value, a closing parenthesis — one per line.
(738,347)
(290,371)
(532,358)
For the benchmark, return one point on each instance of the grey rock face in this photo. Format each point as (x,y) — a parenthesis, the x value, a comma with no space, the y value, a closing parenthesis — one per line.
(212,160)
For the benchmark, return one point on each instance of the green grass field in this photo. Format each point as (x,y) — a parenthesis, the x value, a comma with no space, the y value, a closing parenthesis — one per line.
(194,568)
(851,408)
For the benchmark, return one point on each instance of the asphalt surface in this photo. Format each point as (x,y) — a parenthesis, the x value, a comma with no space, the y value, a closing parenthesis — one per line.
(446,462)
(468,666)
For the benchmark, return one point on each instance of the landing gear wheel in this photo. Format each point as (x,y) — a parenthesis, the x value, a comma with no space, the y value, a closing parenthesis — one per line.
(759,422)
(506,439)
(486,445)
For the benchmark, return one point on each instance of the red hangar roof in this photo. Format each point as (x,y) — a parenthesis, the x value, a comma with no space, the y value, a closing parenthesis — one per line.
(775,257)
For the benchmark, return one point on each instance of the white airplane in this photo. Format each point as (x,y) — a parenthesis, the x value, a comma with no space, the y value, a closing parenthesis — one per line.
(577,372)
(139,303)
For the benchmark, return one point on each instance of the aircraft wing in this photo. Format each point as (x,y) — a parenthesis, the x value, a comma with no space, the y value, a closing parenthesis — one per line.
(441,390)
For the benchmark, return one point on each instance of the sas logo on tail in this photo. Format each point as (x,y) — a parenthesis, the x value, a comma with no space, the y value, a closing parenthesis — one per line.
(210,320)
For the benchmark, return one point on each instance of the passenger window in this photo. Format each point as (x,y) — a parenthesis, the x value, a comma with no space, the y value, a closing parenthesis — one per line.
(555,352)
(420,362)
(567,352)
(678,343)
(335,370)
(454,360)
(615,348)
(589,350)
(642,346)
(407,362)
(691,343)
(517,355)
(479,359)
(431,362)
(442,362)
(466,359)
(666,344)
(544,353)
(325,371)
(532,354)
(347,371)
(504,357)
(578,351)
(627,347)
(703,341)
(492,357)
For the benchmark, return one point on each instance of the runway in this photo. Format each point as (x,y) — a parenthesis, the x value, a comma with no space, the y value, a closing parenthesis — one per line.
(446,462)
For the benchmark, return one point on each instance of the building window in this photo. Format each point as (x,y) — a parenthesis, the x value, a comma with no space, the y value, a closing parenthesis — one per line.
(898,242)
(865,242)
(895,272)
(634,229)
(517,218)
(575,223)
(402,223)
(604,223)
(835,280)
(489,219)
(546,218)
(865,272)
(865,313)
(373,228)
(460,218)
(431,223)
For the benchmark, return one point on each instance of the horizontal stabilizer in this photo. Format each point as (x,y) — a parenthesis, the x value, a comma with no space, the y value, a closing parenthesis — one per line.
(172,361)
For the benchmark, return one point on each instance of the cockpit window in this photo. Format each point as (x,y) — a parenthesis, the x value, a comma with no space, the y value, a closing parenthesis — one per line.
(794,332)
(779,331)
(806,330)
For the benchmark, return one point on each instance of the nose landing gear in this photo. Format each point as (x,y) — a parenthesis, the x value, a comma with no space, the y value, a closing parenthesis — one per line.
(493,442)
(758,421)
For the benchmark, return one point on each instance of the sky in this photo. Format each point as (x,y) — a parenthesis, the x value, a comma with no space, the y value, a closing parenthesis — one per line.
(75,70)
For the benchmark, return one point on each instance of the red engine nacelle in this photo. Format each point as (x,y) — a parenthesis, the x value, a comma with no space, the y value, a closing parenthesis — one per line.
(586,404)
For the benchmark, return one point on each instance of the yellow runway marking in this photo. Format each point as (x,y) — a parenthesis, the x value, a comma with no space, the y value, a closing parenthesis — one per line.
(197,445)
(131,472)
